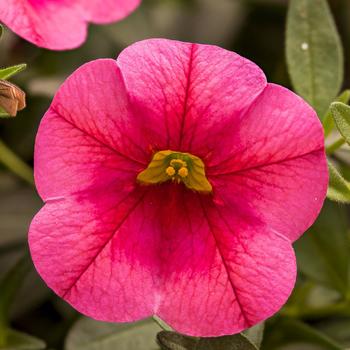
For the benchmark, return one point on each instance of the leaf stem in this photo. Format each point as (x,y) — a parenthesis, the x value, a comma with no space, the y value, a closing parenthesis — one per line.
(334,146)
(15,164)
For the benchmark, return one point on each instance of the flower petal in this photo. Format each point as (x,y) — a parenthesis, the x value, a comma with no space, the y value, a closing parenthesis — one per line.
(60,24)
(82,139)
(275,165)
(187,93)
(222,271)
(109,11)
(121,257)
(49,24)
(97,251)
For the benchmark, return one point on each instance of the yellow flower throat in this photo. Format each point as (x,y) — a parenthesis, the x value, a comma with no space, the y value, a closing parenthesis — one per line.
(176,166)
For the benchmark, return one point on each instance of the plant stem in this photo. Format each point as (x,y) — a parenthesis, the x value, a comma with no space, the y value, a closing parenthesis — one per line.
(334,146)
(15,164)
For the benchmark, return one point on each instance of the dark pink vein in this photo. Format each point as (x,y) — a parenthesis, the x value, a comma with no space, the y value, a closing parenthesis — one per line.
(109,239)
(248,323)
(187,93)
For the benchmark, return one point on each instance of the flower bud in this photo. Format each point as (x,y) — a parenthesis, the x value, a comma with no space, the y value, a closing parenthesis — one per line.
(12,98)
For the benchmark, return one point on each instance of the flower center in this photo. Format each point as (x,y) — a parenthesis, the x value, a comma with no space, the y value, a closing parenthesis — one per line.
(178,167)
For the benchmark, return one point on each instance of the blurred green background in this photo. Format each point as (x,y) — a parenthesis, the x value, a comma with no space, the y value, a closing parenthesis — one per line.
(318,314)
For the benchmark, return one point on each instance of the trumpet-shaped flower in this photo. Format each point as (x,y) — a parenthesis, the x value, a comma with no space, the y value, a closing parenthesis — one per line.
(60,24)
(175,180)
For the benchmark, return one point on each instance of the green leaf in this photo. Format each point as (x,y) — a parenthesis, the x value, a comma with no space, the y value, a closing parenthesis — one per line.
(10,285)
(88,334)
(291,331)
(341,115)
(1,30)
(21,341)
(328,121)
(3,114)
(174,341)
(338,188)
(314,52)
(323,252)
(230,342)
(256,334)
(9,72)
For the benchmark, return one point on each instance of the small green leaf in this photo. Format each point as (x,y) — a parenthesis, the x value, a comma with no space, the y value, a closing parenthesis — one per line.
(230,342)
(3,114)
(339,188)
(328,121)
(314,52)
(341,115)
(9,72)
(323,252)
(1,30)
(21,341)
(88,334)
(174,341)
(256,334)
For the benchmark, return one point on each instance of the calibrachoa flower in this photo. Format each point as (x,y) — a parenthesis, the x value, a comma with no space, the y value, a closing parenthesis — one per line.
(175,181)
(60,24)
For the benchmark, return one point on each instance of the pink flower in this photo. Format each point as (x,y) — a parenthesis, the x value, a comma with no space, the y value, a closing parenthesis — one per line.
(134,225)
(60,24)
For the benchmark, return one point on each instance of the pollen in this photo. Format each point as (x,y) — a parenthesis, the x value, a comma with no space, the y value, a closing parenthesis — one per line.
(183,172)
(170,171)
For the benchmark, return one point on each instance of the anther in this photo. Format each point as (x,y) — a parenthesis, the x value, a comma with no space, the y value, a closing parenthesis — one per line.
(183,172)
(170,171)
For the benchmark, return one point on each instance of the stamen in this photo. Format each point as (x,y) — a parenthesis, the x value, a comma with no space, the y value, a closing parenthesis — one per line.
(177,167)
(183,172)
(170,171)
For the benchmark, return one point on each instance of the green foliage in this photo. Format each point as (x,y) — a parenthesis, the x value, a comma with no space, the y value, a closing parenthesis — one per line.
(328,121)
(314,52)
(341,115)
(323,252)
(338,188)
(88,334)
(174,341)
(9,72)
(3,114)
